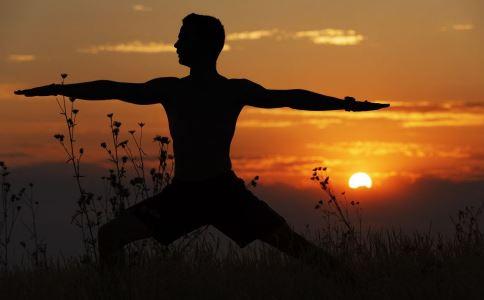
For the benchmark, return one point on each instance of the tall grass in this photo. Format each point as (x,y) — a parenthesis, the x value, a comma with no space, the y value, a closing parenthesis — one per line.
(388,265)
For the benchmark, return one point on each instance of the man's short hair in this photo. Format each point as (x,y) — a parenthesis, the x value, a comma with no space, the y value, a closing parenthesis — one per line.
(208,28)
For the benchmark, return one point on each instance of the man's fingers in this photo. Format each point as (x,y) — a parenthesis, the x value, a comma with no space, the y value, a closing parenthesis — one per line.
(37,91)
(375,106)
(380,105)
(27,93)
(366,106)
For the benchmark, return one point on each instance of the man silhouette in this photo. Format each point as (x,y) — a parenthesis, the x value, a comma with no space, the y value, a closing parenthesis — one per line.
(202,110)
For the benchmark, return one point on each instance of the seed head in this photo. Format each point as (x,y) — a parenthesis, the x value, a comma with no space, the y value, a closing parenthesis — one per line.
(161,139)
(123,143)
(59,137)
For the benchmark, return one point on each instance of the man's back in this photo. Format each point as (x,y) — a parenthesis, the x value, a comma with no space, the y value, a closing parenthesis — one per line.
(202,115)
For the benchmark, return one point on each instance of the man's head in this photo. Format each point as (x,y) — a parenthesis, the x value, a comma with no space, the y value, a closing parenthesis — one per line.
(200,40)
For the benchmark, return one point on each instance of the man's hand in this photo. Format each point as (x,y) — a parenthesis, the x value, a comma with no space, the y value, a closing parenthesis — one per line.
(46,90)
(353,105)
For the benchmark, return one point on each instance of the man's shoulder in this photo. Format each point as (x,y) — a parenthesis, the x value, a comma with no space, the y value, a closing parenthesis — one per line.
(243,83)
(163,80)
(239,80)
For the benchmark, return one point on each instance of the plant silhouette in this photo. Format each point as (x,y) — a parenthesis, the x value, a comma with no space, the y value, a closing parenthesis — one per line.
(202,109)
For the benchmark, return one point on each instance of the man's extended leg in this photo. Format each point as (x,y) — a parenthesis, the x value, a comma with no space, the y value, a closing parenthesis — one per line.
(114,235)
(288,241)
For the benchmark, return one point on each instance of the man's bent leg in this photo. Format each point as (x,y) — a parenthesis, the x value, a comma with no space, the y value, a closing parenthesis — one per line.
(114,235)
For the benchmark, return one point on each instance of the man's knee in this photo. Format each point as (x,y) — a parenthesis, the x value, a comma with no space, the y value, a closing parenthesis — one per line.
(108,236)
(122,230)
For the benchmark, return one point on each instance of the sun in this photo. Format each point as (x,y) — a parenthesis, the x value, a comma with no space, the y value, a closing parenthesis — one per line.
(360,179)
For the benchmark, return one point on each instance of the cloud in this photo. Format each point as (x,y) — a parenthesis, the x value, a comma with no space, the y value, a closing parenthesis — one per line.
(322,123)
(131,47)
(277,123)
(250,35)
(20,58)
(141,8)
(412,150)
(282,168)
(458,27)
(9,155)
(409,114)
(253,123)
(327,36)
(442,114)
(445,106)
(462,27)
(136,47)
(336,37)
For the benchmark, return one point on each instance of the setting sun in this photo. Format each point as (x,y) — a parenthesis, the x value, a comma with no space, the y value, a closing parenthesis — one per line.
(360,179)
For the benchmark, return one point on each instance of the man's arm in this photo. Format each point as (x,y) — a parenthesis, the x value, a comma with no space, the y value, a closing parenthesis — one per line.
(258,96)
(150,92)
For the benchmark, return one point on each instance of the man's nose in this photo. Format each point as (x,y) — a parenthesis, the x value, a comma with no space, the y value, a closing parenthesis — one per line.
(176,44)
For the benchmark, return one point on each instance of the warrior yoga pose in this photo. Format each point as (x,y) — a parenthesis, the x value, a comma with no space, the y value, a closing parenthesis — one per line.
(202,110)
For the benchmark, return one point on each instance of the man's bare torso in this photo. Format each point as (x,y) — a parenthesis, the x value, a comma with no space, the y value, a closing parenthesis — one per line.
(202,115)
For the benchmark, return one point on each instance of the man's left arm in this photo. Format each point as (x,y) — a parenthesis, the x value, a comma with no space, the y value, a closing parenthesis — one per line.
(258,96)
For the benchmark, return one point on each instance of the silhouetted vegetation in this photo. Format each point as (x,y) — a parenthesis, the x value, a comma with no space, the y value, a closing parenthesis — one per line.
(387,264)
(120,190)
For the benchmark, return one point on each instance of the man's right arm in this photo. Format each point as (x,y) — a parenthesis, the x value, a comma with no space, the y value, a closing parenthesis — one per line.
(150,92)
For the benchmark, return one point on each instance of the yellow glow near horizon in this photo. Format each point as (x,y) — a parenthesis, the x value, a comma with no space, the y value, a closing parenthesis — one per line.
(360,179)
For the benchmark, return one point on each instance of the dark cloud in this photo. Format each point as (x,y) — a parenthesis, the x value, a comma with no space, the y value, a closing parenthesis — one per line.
(55,189)
(409,206)
(7,155)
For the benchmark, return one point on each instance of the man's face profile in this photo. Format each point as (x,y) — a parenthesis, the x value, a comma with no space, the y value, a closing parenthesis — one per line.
(191,49)
(187,47)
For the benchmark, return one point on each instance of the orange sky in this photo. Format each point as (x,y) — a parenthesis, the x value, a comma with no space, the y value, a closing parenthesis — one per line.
(423,57)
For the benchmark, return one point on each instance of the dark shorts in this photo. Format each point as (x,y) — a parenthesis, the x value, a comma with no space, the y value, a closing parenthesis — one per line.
(223,202)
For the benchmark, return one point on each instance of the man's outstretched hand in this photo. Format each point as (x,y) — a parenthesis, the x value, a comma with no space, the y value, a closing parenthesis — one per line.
(353,105)
(46,90)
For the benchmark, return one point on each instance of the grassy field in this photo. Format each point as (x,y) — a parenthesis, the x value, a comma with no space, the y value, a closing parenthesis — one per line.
(385,265)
